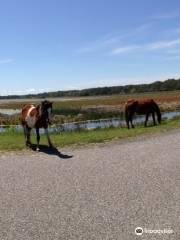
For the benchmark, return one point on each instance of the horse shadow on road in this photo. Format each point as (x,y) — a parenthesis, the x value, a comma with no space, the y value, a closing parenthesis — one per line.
(50,151)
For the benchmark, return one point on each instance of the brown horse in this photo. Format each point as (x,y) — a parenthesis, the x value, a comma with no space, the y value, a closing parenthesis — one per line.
(36,117)
(146,106)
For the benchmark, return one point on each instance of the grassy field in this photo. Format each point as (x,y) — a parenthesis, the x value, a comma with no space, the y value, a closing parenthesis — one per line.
(12,141)
(91,108)
(83,102)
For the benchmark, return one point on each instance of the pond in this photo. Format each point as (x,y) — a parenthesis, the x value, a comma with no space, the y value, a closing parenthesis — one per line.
(9,112)
(95,124)
(106,123)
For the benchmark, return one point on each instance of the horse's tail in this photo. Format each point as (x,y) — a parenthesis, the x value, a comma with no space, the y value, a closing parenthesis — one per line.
(158,112)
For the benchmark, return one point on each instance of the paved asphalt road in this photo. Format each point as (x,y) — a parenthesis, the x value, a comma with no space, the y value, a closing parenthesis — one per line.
(102,192)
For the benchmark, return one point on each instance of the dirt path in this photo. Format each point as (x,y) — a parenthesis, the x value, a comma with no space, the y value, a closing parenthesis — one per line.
(102,192)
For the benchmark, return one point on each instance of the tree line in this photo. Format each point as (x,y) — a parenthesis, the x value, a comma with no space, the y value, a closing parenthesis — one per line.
(168,85)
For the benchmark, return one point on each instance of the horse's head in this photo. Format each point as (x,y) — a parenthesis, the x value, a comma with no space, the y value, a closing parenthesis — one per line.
(46,110)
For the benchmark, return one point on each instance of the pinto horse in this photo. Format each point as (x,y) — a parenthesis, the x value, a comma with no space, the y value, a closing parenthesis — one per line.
(36,117)
(146,106)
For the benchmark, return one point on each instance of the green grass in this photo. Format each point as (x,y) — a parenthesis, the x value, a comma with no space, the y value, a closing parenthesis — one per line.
(11,141)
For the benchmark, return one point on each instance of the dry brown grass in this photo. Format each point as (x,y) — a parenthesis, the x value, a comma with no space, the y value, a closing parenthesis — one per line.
(168,101)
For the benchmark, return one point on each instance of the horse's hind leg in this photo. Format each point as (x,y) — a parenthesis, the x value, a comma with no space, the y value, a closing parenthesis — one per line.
(38,138)
(154,120)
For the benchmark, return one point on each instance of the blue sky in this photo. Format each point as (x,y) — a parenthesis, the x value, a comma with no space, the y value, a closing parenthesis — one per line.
(73,44)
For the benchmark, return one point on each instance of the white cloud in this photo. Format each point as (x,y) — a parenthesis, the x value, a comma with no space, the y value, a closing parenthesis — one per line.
(24,91)
(164,44)
(160,45)
(125,49)
(99,44)
(113,39)
(7,60)
(31,90)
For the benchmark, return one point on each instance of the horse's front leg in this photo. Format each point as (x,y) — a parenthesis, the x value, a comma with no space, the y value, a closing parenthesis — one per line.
(131,120)
(38,138)
(146,120)
(25,133)
(154,120)
(48,138)
(28,133)
(127,121)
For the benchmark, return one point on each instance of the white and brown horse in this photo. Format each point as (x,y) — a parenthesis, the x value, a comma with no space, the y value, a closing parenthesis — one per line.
(36,117)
